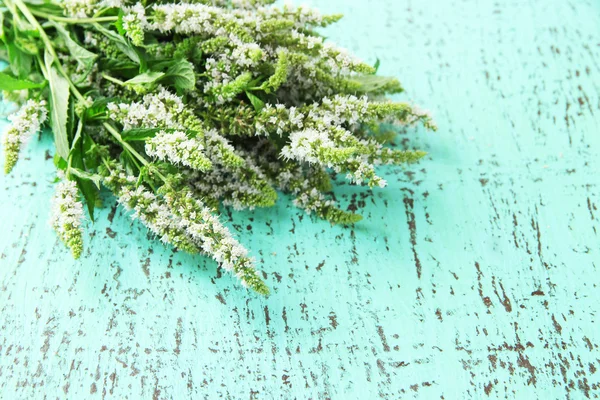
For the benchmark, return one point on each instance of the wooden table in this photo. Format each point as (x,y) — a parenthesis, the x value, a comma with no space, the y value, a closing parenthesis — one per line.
(474,275)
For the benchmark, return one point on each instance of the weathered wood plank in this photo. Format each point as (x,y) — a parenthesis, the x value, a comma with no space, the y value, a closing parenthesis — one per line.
(475,273)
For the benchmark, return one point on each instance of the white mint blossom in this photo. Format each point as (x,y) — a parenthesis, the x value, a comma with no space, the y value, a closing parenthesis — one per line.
(133,22)
(316,147)
(155,110)
(307,145)
(67,214)
(363,172)
(246,187)
(25,123)
(177,148)
(187,18)
(338,58)
(180,219)
(164,110)
(312,200)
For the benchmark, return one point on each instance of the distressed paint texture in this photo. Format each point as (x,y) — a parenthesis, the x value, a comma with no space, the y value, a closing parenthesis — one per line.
(475,274)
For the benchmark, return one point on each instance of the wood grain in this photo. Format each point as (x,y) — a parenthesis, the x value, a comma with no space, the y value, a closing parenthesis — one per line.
(475,274)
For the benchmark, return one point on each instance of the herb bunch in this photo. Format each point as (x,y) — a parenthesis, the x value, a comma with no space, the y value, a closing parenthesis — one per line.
(179,108)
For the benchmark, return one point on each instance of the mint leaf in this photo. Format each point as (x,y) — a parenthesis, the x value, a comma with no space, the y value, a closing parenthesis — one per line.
(139,134)
(2,25)
(145,78)
(181,75)
(256,102)
(98,109)
(59,107)
(122,44)
(95,178)
(83,57)
(10,83)
(20,62)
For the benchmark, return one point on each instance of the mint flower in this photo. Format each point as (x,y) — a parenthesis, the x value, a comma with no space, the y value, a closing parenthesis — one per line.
(160,109)
(177,148)
(214,239)
(133,22)
(150,209)
(25,123)
(185,222)
(67,214)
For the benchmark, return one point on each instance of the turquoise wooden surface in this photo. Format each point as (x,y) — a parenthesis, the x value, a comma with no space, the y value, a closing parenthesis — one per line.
(474,275)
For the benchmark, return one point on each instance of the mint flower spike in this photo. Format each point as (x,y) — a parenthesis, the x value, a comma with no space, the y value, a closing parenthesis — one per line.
(149,208)
(176,217)
(242,187)
(162,109)
(67,214)
(177,148)
(166,110)
(308,190)
(133,23)
(25,123)
(214,239)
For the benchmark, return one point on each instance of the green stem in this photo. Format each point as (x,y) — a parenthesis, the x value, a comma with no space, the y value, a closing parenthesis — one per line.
(73,20)
(129,148)
(13,11)
(123,143)
(106,164)
(48,43)
(41,64)
(113,80)
(75,140)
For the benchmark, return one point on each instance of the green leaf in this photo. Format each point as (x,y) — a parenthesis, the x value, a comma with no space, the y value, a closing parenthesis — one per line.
(77,135)
(253,83)
(20,62)
(83,57)
(88,183)
(161,65)
(181,75)
(60,162)
(197,54)
(26,43)
(59,107)
(256,102)
(90,157)
(127,68)
(10,84)
(119,23)
(95,178)
(374,83)
(377,64)
(90,193)
(98,109)
(145,78)
(46,6)
(138,134)
(71,120)
(123,45)
(2,25)
(128,162)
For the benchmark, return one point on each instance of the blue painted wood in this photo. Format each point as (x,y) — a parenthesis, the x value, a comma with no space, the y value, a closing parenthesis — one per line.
(474,274)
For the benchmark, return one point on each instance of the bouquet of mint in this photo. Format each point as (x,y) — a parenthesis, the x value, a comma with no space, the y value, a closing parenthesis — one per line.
(181,107)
